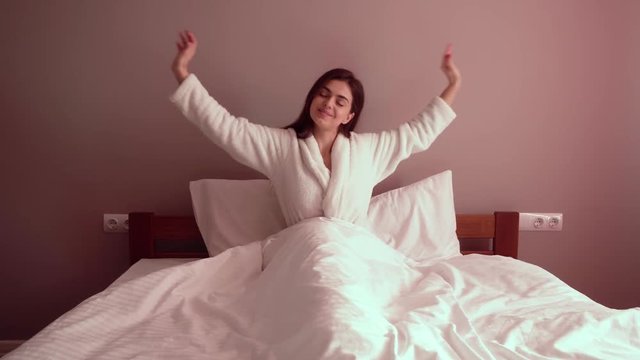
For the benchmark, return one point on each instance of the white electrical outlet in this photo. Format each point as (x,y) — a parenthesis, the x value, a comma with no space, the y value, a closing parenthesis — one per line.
(115,223)
(541,221)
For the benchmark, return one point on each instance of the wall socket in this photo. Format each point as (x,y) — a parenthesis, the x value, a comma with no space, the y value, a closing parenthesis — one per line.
(541,221)
(115,223)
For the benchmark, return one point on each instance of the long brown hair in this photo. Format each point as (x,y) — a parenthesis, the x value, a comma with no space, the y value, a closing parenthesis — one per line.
(304,124)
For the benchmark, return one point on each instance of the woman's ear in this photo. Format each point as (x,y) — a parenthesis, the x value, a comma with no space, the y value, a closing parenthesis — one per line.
(349,117)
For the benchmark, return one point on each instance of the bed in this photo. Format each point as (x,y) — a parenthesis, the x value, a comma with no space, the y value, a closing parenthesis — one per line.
(203,287)
(153,236)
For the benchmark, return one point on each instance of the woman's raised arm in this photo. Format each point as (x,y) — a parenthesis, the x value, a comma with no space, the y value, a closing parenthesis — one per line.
(257,146)
(390,147)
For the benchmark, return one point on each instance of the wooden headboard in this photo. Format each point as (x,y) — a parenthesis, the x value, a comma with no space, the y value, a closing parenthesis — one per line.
(153,236)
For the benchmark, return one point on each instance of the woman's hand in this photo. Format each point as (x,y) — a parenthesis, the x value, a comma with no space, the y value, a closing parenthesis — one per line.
(186,51)
(453,75)
(449,68)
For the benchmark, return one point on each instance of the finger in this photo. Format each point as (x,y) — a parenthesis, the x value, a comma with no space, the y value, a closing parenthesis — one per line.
(193,38)
(449,50)
(446,61)
(183,38)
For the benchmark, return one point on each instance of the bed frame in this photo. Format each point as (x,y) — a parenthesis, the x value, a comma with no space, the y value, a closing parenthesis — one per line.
(153,236)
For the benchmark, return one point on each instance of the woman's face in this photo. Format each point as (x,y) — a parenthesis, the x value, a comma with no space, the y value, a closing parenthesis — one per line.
(332,106)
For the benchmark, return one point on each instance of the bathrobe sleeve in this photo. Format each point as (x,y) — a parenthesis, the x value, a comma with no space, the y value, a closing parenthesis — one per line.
(390,147)
(257,146)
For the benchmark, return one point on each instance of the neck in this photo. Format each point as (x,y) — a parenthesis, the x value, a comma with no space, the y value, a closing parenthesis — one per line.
(325,139)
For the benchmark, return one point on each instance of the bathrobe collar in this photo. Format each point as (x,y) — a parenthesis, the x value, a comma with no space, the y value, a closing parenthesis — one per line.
(331,182)
(313,160)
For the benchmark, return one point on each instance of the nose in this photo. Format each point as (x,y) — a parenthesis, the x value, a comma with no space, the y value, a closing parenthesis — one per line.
(328,101)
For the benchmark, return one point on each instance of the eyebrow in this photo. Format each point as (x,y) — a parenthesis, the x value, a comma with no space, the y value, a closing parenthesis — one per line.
(340,96)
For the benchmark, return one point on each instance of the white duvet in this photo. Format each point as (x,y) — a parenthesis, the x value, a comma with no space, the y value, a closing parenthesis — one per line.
(332,290)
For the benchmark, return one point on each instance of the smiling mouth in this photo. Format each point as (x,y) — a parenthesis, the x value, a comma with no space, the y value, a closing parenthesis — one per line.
(324,112)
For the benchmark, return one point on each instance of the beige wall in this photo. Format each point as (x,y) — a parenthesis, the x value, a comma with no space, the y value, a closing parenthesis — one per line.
(547,122)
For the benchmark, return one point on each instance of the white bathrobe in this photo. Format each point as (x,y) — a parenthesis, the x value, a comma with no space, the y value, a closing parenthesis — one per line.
(304,186)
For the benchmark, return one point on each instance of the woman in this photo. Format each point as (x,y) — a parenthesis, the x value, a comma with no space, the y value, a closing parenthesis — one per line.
(317,165)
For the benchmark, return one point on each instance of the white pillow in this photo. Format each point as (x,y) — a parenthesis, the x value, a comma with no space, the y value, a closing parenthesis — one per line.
(230,213)
(418,219)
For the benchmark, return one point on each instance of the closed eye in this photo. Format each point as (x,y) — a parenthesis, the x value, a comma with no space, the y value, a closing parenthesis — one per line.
(341,101)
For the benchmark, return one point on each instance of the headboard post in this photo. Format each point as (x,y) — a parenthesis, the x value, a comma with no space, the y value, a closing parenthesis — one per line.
(140,229)
(505,242)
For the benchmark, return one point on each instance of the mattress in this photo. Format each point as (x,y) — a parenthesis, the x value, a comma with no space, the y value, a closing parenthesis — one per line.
(147,266)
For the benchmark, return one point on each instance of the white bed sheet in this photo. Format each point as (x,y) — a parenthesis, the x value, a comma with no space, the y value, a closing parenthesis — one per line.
(331,290)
